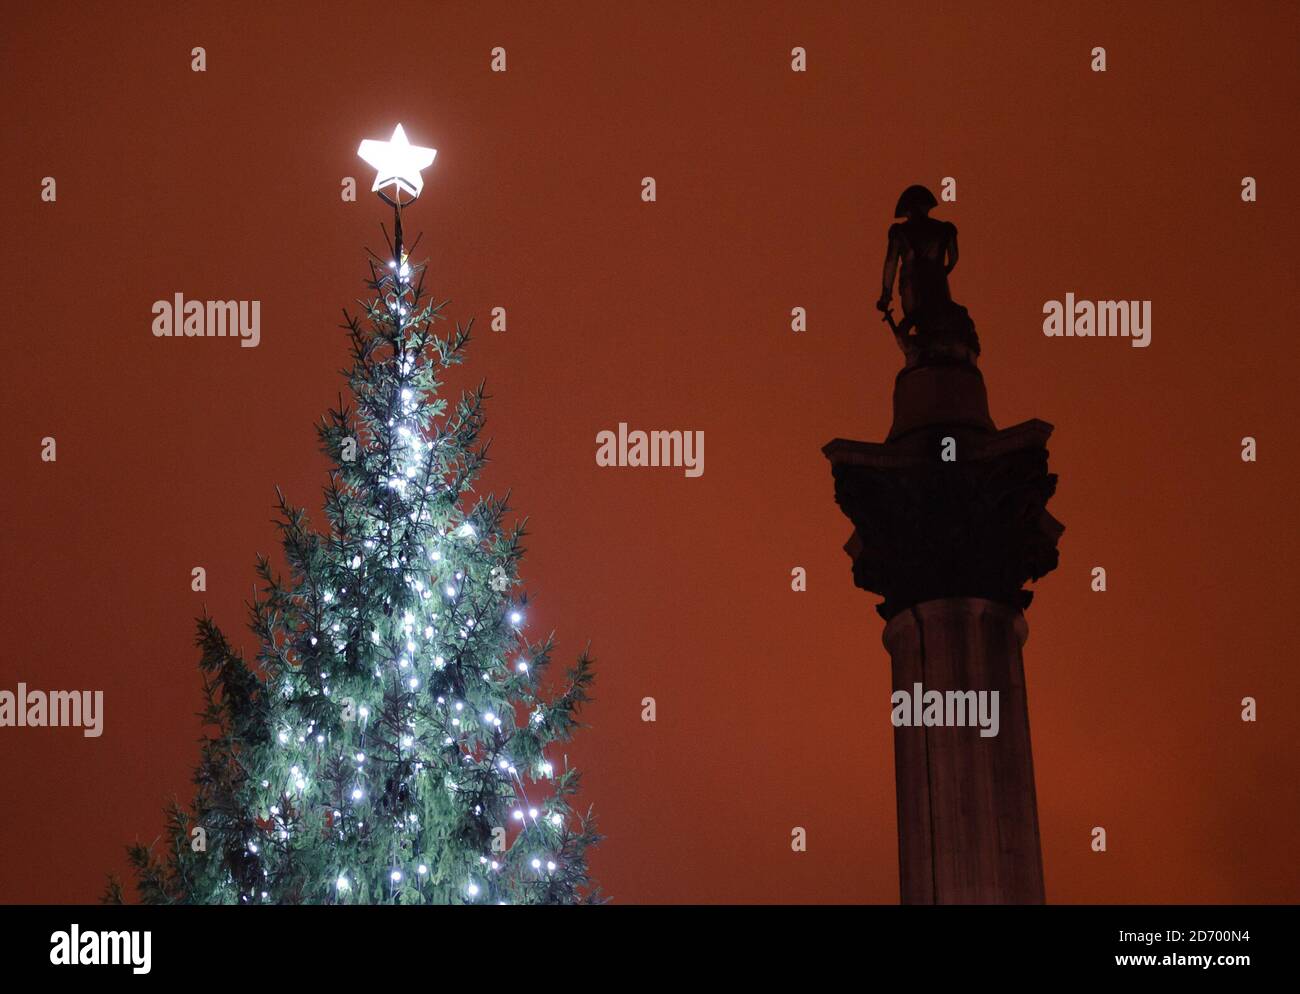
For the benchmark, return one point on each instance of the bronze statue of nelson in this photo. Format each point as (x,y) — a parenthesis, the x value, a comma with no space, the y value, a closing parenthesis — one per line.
(922,251)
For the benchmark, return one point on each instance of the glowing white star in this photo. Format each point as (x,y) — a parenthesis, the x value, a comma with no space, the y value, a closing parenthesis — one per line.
(397,162)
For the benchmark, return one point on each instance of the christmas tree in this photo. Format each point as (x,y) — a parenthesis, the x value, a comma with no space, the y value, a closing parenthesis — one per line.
(390,743)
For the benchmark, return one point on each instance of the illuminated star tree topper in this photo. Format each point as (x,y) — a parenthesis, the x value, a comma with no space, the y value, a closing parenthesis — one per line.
(397,165)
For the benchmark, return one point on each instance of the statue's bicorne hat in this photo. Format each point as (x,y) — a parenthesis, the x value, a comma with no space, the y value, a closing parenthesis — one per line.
(912,198)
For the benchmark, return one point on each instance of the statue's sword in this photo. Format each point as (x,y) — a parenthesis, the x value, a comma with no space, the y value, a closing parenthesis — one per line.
(899,337)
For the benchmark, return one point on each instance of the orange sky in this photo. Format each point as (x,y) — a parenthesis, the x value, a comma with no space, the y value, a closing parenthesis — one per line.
(775,190)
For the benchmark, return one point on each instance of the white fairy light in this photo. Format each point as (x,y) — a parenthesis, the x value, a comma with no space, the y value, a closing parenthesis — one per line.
(342,883)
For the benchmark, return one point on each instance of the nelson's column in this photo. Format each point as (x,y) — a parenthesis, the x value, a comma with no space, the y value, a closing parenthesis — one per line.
(949,522)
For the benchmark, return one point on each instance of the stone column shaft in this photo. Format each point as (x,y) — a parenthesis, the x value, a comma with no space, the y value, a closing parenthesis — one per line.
(967,812)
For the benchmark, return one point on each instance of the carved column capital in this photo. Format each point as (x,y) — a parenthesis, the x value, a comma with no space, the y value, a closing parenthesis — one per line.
(924,529)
